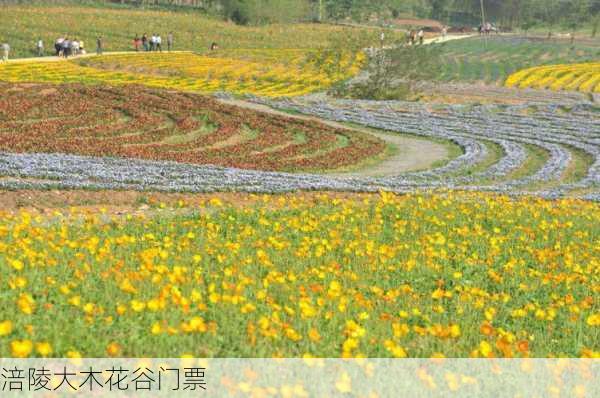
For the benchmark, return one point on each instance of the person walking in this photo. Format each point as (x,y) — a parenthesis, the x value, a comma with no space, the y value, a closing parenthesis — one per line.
(5,51)
(145,41)
(136,43)
(40,47)
(169,41)
(99,45)
(75,47)
(153,42)
(158,43)
(65,47)
(58,46)
(421,36)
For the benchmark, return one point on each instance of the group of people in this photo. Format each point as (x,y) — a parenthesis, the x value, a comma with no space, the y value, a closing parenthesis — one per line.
(414,36)
(486,29)
(64,47)
(152,43)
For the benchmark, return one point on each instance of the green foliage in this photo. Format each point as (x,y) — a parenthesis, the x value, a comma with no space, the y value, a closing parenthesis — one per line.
(394,74)
(246,12)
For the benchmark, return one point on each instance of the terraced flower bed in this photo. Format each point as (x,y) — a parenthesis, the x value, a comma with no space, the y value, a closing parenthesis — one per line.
(136,122)
(575,77)
(271,73)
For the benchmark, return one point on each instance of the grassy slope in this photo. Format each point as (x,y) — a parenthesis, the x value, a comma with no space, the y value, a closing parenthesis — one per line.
(473,60)
(192,29)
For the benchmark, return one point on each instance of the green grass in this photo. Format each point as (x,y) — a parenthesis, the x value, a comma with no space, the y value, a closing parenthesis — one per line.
(475,60)
(193,30)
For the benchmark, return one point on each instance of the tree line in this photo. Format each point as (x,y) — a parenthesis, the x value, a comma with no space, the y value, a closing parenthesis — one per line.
(507,13)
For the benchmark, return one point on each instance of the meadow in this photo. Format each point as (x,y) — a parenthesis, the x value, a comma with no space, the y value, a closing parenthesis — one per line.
(455,275)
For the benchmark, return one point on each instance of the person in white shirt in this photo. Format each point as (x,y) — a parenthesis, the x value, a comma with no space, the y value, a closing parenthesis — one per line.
(421,36)
(153,42)
(5,51)
(40,48)
(158,43)
(75,47)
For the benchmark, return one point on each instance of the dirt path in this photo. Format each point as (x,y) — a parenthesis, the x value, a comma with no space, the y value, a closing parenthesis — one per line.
(411,154)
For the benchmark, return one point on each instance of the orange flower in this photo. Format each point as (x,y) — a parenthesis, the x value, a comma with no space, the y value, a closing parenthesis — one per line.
(486,329)
(114,349)
(523,346)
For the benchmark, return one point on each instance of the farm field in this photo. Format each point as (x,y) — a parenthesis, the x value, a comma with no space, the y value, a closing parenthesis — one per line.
(580,77)
(461,275)
(498,147)
(257,72)
(472,60)
(133,122)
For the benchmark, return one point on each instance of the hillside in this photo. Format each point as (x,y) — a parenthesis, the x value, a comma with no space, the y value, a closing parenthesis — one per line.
(192,30)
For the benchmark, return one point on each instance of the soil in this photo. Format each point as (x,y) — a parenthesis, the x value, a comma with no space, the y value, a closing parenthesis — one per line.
(116,203)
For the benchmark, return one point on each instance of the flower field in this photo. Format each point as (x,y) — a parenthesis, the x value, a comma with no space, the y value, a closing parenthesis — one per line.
(579,77)
(272,73)
(135,122)
(550,151)
(457,275)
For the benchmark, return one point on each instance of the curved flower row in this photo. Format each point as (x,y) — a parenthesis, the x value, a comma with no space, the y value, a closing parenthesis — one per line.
(283,73)
(136,122)
(551,128)
(576,77)
(554,131)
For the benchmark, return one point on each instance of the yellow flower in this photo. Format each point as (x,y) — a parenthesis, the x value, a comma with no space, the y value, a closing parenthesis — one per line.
(6,328)
(313,335)
(156,328)
(335,289)
(455,331)
(137,306)
(44,349)
(396,350)
(73,354)
(593,320)
(292,334)
(16,264)
(26,304)
(485,349)
(21,348)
